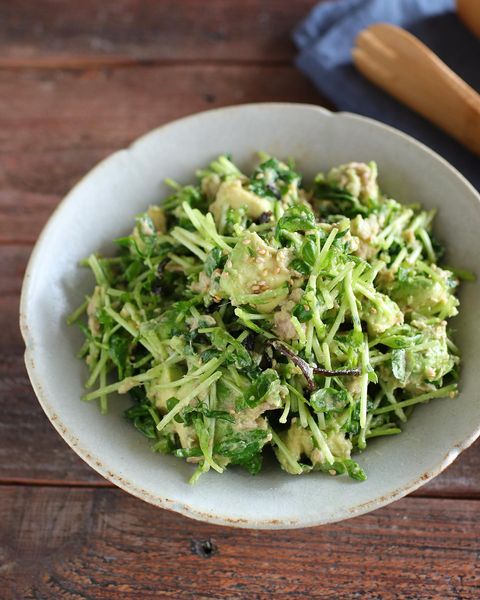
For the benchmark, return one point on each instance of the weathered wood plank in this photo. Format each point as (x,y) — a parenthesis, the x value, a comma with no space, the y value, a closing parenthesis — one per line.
(76,34)
(30,448)
(13,260)
(78,118)
(106,108)
(23,214)
(84,543)
(11,343)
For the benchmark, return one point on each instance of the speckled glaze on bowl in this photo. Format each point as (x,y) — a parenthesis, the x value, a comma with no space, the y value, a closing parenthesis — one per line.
(101,207)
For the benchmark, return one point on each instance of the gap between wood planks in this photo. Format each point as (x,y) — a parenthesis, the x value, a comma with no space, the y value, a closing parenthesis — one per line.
(52,483)
(111,62)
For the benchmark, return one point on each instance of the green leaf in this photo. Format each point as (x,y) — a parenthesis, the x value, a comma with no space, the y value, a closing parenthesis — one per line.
(85,330)
(172,403)
(299,265)
(146,229)
(172,321)
(165,445)
(264,386)
(213,261)
(254,465)
(235,216)
(333,200)
(118,348)
(348,466)
(105,319)
(142,419)
(123,242)
(297,218)
(192,413)
(222,340)
(209,353)
(243,448)
(354,470)
(405,274)
(352,424)
(133,270)
(309,251)
(399,364)
(303,314)
(187,452)
(272,179)
(329,400)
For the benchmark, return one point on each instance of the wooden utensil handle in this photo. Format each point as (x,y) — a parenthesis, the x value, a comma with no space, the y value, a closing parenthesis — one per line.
(469,12)
(399,63)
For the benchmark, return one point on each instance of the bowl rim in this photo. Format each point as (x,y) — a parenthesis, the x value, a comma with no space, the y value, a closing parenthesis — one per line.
(95,462)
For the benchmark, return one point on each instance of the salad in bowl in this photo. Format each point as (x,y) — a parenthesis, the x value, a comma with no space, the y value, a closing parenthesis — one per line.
(253,312)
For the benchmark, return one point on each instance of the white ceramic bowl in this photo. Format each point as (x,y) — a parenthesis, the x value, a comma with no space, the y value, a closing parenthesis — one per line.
(101,207)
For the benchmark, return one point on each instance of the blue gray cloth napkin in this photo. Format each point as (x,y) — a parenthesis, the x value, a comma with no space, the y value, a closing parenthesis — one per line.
(325,40)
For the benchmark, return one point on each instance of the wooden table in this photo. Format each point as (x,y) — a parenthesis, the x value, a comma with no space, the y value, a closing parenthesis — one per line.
(78,80)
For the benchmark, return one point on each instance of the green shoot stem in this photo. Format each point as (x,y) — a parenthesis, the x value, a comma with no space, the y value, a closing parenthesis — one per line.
(440,393)
(185,401)
(320,439)
(77,313)
(296,468)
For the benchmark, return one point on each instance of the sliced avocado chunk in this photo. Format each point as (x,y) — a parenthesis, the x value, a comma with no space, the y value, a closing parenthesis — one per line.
(426,295)
(232,194)
(381,313)
(420,368)
(256,274)
(299,443)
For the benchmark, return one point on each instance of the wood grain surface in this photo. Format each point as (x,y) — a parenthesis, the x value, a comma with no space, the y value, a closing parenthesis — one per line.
(51,34)
(79,80)
(101,543)
(79,117)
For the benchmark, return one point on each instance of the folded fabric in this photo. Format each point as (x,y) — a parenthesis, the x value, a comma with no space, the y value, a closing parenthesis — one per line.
(325,40)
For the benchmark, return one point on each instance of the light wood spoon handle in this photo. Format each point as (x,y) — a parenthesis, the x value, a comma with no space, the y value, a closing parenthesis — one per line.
(469,12)
(403,66)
